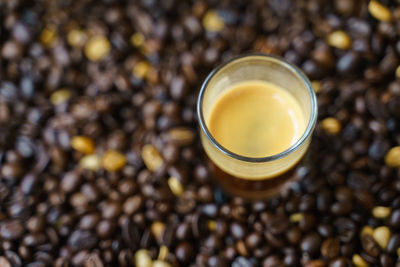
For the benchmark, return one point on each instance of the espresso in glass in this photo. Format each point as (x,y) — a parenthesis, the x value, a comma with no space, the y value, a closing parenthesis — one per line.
(256,113)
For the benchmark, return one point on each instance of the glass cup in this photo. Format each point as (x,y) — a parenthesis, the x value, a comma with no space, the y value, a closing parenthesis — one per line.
(256,177)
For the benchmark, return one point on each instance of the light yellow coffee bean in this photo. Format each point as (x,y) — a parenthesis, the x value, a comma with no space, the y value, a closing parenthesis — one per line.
(143,259)
(97,48)
(296,217)
(392,158)
(331,125)
(339,39)
(113,160)
(175,185)
(381,212)
(90,162)
(83,144)
(382,235)
(212,21)
(151,157)
(367,230)
(358,261)
(60,96)
(157,228)
(379,11)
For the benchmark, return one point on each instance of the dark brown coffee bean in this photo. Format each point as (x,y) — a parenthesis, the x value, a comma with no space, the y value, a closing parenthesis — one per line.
(206,194)
(345,8)
(272,261)
(341,208)
(105,229)
(237,231)
(11,230)
(81,239)
(293,235)
(210,210)
(130,233)
(35,224)
(394,220)
(339,262)
(311,243)
(212,243)
(11,171)
(394,243)
(132,204)
(307,222)
(93,260)
(276,223)
(346,229)
(127,187)
(184,252)
(183,232)
(110,209)
(70,181)
(201,174)
(89,221)
(13,258)
(216,261)
(291,259)
(386,260)
(253,240)
(242,262)
(330,248)
(348,62)
(370,246)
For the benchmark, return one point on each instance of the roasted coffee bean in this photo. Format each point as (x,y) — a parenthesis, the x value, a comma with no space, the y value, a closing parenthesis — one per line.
(370,246)
(184,252)
(330,248)
(125,77)
(311,243)
(394,220)
(242,262)
(272,261)
(216,261)
(339,262)
(11,230)
(237,230)
(394,244)
(253,240)
(82,239)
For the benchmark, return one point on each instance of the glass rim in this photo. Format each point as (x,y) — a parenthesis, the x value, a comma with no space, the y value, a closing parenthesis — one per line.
(311,122)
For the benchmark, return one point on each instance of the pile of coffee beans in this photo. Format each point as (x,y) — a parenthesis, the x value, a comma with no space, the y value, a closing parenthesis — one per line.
(100,159)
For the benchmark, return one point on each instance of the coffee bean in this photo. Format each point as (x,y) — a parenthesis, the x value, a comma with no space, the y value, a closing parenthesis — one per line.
(394,243)
(253,240)
(216,261)
(370,246)
(394,219)
(4,262)
(311,243)
(210,210)
(11,230)
(70,181)
(242,262)
(184,252)
(330,248)
(105,229)
(81,239)
(142,81)
(339,262)
(132,204)
(110,209)
(237,230)
(272,261)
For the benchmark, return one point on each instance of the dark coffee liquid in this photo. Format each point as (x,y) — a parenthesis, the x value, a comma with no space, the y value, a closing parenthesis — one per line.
(256,189)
